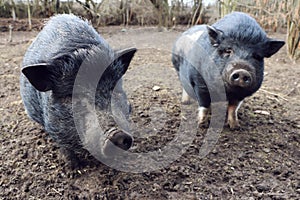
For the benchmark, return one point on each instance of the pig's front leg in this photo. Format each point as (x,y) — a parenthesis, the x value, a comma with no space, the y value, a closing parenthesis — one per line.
(204,107)
(203,115)
(232,118)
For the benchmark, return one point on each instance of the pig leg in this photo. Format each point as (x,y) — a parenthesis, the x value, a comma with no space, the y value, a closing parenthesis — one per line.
(72,158)
(202,115)
(232,118)
(185,99)
(204,105)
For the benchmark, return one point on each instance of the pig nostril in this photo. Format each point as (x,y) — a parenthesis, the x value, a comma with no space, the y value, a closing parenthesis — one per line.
(122,140)
(235,77)
(246,79)
(127,142)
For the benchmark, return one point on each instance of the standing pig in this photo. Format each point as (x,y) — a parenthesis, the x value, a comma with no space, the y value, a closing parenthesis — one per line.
(234,47)
(49,71)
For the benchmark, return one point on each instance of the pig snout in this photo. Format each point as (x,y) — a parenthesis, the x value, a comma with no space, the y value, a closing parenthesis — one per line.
(241,78)
(240,74)
(118,139)
(122,140)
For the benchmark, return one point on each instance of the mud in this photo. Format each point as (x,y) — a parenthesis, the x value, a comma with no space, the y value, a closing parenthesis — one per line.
(259,161)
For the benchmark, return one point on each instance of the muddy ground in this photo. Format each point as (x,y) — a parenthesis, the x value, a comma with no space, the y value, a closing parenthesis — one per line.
(259,161)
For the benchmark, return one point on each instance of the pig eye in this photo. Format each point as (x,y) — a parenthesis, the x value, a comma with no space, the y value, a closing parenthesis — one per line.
(226,52)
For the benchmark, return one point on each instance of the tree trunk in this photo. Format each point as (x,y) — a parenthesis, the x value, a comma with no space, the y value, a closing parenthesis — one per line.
(29,15)
(13,10)
(293,30)
(57,5)
(160,13)
(127,12)
(197,12)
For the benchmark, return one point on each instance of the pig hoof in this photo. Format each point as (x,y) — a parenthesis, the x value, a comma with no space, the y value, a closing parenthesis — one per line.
(203,116)
(186,101)
(203,121)
(233,125)
(75,164)
(203,124)
(72,160)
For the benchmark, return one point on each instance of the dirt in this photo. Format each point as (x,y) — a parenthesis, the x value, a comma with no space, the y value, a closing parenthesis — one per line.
(258,161)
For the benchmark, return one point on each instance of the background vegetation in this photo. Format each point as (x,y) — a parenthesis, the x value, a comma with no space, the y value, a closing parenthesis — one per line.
(275,15)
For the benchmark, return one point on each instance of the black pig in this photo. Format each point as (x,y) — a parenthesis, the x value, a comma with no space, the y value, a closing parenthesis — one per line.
(236,47)
(50,67)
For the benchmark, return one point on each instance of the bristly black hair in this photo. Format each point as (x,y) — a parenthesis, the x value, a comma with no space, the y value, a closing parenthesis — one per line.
(240,26)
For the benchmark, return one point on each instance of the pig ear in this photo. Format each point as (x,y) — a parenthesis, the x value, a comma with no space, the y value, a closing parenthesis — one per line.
(118,67)
(39,76)
(125,56)
(271,47)
(215,35)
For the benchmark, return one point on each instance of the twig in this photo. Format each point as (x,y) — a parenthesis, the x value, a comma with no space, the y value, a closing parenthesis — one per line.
(275,194)
(272,98)
(57,191)
(10,33)
(15,126)
(291,91)
(272,93)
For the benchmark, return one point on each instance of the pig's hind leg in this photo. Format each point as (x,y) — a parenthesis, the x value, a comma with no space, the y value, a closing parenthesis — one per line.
(185,99)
